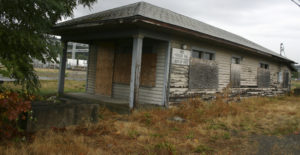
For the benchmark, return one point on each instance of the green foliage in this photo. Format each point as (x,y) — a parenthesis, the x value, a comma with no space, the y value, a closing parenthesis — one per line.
(190,136)
(165,146)
(24,34)
(295,75)
(82,56)
(203,149)
(133,134)
(226,135)
(148,119)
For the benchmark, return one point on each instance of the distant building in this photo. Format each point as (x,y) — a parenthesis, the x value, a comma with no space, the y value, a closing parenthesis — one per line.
(77,55)
(78,51)
(298,70)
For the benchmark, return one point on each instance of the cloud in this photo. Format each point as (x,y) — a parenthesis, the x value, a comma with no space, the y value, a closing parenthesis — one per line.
(266,22)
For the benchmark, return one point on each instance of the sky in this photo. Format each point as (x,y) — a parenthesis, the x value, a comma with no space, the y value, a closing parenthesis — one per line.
(266,22)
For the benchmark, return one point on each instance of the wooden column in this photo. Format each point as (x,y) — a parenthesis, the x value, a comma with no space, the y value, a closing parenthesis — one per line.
(135,71)
(167,76)
(62,69)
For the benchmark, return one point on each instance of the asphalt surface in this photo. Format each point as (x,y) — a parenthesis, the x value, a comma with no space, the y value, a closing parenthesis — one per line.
(274,145)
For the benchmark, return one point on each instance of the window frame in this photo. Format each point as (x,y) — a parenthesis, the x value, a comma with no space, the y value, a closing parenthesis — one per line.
(264,65)
(280,77)
(202,52)
(237,58)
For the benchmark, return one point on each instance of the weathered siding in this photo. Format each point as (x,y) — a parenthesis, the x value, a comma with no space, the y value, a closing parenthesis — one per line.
(179,81)
(91,71)
(250,63)
(148,95)
(249,71)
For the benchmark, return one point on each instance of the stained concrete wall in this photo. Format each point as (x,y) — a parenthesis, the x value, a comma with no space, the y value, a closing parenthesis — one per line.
(48,115)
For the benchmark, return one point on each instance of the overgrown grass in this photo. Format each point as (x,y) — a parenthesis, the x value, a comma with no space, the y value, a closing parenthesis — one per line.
(210,128)
(53,73)
(49,87)
(295,84)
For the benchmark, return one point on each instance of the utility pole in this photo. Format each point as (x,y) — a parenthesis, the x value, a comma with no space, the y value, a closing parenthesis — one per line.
(282,49)
(296,2)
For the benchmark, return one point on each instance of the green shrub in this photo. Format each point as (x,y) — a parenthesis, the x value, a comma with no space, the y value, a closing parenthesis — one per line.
(13,108)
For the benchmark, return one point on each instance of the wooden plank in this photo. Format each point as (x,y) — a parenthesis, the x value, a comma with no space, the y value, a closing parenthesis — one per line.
(62,69)
(88,72)
(166,88)
(235,75)
(263,78)
(122,68)
(104,69)
(286,79)
(135,71)
(203,74)
(92,64)
(148,70)
(147,95)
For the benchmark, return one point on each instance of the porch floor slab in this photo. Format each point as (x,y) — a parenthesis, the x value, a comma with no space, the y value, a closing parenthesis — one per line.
(113,104)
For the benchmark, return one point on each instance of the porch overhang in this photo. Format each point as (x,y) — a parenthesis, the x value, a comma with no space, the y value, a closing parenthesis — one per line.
(126,27)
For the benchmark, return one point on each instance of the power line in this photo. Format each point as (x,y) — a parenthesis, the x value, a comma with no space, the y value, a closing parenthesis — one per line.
(296,2)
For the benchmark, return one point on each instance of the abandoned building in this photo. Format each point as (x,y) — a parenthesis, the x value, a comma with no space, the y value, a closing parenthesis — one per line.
(144,54)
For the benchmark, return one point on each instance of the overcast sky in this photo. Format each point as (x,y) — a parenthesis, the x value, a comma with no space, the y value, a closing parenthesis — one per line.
(266,22)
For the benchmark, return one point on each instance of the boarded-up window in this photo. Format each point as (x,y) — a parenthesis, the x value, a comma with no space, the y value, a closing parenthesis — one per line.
(148,69)
(104,69)
(263,78)
(203,74)
(122,67)
(235,75)
(286,79)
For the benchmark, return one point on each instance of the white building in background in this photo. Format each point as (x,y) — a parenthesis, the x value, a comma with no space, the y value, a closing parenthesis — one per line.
(298,69)
(77,48)
(77,57)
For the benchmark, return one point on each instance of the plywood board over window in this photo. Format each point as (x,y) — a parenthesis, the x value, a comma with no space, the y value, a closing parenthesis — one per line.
(203,74)
(122,68)
(148,69)
(235,75)
(286,79)
(263,78)
(104,69)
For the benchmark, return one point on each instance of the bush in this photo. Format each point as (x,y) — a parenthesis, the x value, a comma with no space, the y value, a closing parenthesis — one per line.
(13,107)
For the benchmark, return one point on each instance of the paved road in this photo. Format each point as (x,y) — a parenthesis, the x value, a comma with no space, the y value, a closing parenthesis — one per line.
(272,145)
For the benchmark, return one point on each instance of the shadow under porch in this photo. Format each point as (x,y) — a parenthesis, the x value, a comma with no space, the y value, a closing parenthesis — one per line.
(117,81)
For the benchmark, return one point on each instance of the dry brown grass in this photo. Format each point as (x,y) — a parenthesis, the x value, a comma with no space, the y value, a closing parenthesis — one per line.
(210,128)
